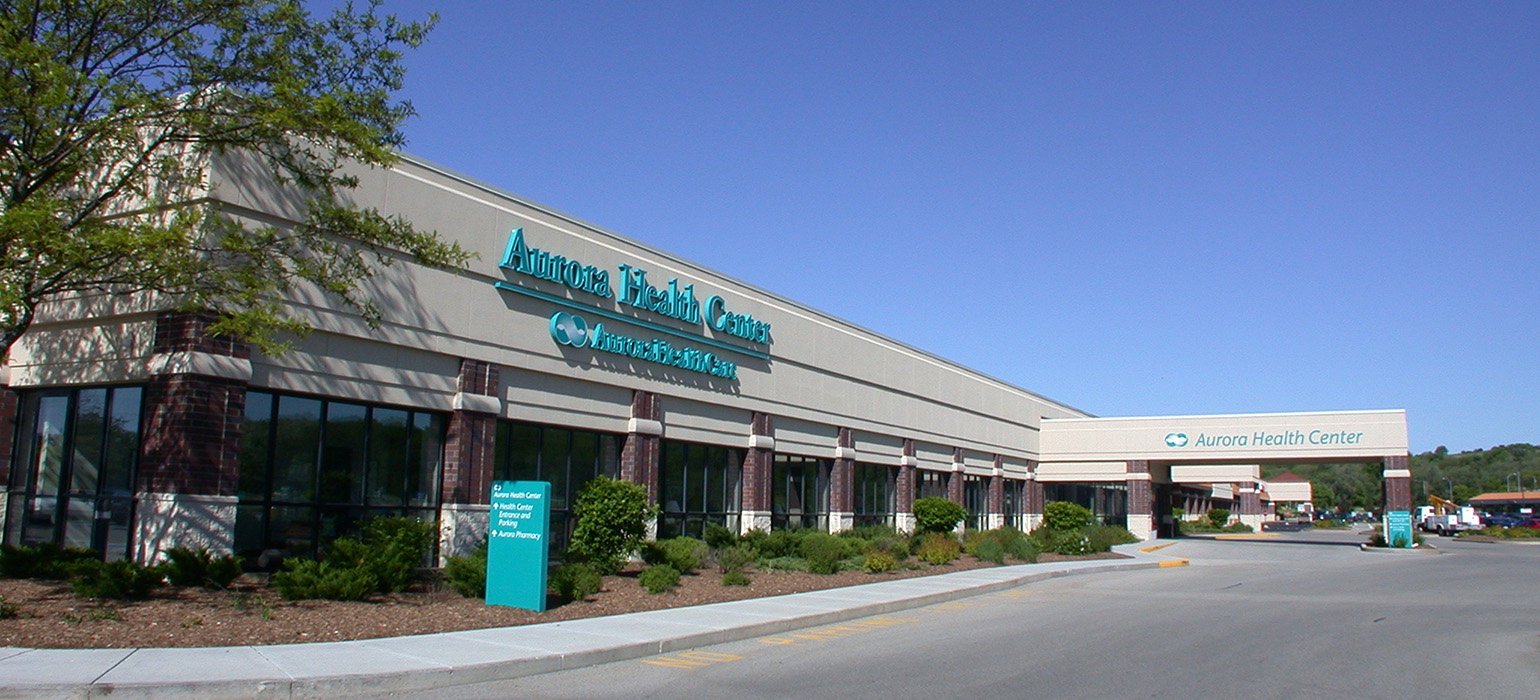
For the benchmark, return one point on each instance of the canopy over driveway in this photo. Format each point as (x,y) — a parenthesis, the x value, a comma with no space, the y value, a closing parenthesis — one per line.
(1142,451)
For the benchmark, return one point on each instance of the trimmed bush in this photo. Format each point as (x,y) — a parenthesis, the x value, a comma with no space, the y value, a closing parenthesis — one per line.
(1218,517)
(938,548)
(736,558)
(1064,515)
(991,550)
(659,578)
(823,552)
(198,567)
(718,537)
(612,521)
(877,561)
(1101,538)
(307,579)
(782,543)
(467,573)
(45,561)
(783,564)
(735,578)
(683,553)
(936,514)
(114,579)
(575,581)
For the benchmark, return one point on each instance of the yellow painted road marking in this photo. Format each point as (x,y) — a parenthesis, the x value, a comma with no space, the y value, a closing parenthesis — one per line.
(819,634)
(1173,562)
(1249,536)
(1147,550)
(693,659)
(1016,594)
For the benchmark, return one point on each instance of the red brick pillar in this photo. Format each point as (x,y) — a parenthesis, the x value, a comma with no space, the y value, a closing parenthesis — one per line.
(10,404)
(189,464)
(1398,483)
(842,502)
(470,450)
(903,498)
(996,515)
(758,461)
(1141,500)
(1032,510)
(954,480)
(644,442)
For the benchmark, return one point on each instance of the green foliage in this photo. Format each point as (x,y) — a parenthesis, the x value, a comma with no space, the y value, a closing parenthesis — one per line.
(735,578)
(391,549)
(783,564)
(878,561)
(989,549)
(936,514)
(1000,544)
(9,610)
(1065,515)
(467,573)
(1218,517)
(1102,538)
(114,579)
(659,578)
(199,567)
(575,581)
(781,543)
(45,561)
(823,552)
(112,112)
(685,554)
(718,537)
(937,548)
(736,558)
(612,519)
(308,579)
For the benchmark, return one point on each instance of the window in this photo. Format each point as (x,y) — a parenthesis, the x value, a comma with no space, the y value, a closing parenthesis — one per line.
(698,484)
(930,484)
(874,494)
(976,501)
(72,481)
(1015,499)
(800,493)
(311,469)
(566,458)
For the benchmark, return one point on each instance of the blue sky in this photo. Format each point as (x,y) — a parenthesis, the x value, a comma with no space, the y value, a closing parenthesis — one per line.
(1133,208)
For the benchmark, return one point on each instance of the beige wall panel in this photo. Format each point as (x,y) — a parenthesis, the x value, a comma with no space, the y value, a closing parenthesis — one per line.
(878,449)
(1211,473)
(693,421)
(1245,437)
(354,368)
(798,437)
(933,456)
(1290,491)
(1014,468)
(978,463)
(96,351)
(558,400)
(1086,472)
(1225,491)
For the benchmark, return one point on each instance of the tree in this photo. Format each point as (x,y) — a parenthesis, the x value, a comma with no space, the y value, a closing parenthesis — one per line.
(111,112)
(611,524)
(936,514)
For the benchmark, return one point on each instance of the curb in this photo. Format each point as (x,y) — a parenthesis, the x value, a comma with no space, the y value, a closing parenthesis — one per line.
(418,672)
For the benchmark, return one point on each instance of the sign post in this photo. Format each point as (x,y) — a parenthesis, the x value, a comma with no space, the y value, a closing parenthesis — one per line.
(1398,529)
(518,544)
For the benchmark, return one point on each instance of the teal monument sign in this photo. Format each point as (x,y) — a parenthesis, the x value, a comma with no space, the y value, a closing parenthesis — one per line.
(518,544)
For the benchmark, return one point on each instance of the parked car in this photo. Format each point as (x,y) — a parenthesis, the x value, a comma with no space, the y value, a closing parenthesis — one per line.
(1503,520)
(1533,521)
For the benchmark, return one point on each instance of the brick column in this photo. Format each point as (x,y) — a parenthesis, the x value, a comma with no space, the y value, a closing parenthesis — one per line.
(189,464)
(1398,483)
(954,487)
(1248,505)
(903,498)
(1141,500)
(996,517)
(1032,510)
(842,476)
(469,452)
(757,463)
(10,405)
(644,440)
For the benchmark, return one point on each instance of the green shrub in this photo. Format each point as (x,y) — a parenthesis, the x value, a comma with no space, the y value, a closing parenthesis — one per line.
(1218,517)
(938,548)
(1074,541)
(936,514)
(783,564)
(736,558)
(199,567)
(782,543)
(823,552)
(683,553)
(718,537)
(308,579)
(45,560)
(735,578)
(1101,538)
(991,550)
(754,539)
(1237,527)
(575,581)
(1065,515)
(114,579)
(467,573)
(394,548)
(612,519)
(659,578)
(877,561)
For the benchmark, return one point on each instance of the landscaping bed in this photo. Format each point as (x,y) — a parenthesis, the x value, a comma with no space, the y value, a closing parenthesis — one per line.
(49,615)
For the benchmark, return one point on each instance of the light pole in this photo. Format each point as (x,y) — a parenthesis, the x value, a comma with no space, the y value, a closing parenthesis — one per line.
(1450,483)
(1511,479)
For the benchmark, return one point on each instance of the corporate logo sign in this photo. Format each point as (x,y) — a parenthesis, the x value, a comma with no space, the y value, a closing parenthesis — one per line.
(573,327)
(1262,438)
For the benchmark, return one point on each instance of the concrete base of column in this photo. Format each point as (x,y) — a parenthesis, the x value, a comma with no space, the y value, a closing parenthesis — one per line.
(1143,526)
(754,520)
(840,522)
(994,521)
(903,522)
(1255,520)
(168,520)
(1031,521)
(462,528)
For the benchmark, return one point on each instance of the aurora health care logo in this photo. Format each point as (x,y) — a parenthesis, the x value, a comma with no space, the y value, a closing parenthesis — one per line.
(1176,439)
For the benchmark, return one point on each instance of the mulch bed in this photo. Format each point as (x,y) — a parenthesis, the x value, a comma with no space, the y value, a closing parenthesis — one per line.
(49,615)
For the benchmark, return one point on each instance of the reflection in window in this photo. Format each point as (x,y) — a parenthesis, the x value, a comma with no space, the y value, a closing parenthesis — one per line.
(874,494)
(566,458)
(800,493)
(699,485)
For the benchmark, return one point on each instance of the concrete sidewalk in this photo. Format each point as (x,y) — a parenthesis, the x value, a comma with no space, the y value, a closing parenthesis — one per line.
(397,664)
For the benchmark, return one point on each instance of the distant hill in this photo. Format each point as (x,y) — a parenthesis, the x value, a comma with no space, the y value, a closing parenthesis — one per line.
(1465,474)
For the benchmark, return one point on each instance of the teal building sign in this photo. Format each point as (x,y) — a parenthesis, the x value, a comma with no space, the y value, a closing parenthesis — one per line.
(1398,529)
(518,543)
